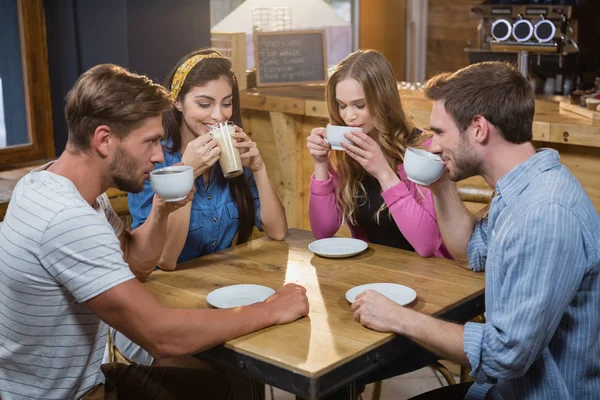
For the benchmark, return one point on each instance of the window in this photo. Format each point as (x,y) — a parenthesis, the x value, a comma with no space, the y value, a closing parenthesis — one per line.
(26,114)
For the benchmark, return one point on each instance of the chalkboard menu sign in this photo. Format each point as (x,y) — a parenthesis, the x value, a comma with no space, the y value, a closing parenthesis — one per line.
(290,57)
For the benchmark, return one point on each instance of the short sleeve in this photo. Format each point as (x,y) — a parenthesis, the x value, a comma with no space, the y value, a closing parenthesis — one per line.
(110,214)
(85,257)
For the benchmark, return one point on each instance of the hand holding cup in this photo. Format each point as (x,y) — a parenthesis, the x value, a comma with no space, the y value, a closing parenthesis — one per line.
(318,146)
(249,153)
(200,154)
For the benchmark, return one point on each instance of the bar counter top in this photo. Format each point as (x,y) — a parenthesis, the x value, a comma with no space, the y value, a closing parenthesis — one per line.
(280,118)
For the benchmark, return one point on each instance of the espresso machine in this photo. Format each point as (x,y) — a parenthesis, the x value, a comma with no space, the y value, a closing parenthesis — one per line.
(539,35)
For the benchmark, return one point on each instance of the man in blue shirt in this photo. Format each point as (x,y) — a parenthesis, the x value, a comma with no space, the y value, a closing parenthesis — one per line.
(539,245)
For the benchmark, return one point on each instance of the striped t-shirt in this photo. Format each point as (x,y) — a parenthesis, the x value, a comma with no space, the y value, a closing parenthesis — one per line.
(56,253)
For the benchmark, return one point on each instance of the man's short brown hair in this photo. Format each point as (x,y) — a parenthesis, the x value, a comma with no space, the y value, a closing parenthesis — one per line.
(110,95)
(494,90)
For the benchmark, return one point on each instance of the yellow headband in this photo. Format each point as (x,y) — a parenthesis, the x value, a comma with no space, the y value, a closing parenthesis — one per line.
(185,68)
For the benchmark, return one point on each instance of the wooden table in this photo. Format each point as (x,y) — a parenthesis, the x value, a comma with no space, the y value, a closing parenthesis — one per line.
(328,350)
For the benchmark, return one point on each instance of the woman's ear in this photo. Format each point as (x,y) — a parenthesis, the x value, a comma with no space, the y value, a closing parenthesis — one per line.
(177,105)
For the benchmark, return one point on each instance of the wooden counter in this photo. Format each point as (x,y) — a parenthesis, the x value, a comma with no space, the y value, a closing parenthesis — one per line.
(280,118)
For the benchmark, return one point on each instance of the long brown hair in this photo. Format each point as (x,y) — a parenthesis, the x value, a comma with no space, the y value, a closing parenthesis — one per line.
(396,131)
(207,70)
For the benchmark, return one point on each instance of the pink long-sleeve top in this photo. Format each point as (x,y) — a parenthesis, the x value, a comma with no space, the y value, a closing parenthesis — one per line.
(412,209)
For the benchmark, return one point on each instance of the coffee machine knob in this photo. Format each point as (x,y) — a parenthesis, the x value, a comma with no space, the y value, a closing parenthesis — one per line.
(544,31)
(522,30)
(501,29)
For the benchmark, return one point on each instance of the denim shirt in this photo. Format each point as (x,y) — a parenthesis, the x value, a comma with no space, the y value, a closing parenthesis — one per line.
(214,219)
(540,248)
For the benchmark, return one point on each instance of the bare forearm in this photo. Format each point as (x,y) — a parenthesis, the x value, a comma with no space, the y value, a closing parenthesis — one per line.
(191,331)
(440,337)
(454,220)
(166,332)
(274,221)
(177,231)
(388,179)
(321,171)
(145,244)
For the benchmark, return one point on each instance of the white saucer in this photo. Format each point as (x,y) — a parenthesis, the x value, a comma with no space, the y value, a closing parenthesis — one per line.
(338,247)
(238,295)
(400,294)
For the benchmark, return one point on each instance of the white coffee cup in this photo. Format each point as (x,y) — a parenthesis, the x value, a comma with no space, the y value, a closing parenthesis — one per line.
(172,183)
(335,135)
(422,167)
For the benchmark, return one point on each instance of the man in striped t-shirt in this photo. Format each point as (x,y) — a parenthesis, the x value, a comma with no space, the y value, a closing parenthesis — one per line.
(539,246)
(67,264)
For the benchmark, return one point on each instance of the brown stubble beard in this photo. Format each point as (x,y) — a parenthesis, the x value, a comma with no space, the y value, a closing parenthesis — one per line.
(121,169)
(465,161)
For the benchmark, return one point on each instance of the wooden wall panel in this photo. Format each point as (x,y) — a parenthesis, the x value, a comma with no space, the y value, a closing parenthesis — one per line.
(450,27)
(383,28)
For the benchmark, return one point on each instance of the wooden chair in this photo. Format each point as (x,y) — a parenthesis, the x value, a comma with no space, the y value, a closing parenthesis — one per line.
(120,205)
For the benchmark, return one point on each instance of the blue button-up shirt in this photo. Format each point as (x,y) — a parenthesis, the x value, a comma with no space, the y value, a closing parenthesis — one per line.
(214,220)
(540,248)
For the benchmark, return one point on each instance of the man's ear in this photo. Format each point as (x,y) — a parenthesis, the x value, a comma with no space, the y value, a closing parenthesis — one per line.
(481,129)
(101,140)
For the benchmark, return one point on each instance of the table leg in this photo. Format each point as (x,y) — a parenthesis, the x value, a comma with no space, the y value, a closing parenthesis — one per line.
(348,392)
(258,390)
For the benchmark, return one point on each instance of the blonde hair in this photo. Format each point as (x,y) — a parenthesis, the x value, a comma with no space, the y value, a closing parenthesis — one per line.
(396,131)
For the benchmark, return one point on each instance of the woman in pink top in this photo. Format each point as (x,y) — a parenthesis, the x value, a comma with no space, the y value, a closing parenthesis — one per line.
(368,187)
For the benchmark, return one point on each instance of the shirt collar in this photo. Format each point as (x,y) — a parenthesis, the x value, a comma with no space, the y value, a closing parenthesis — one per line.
(511,185)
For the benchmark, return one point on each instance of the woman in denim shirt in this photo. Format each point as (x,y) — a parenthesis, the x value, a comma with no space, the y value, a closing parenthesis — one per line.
(205,92)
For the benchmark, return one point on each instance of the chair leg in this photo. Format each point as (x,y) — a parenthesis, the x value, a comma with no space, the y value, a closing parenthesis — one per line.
(464,374)
(377,390)
(445,373)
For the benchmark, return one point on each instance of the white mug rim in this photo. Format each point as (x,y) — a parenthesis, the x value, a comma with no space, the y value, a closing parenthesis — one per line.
(418,152)
(179,168)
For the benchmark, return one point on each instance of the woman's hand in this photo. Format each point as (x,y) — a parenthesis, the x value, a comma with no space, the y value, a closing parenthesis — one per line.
(248,150)
(318,146)
(367,153)
(201,153)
